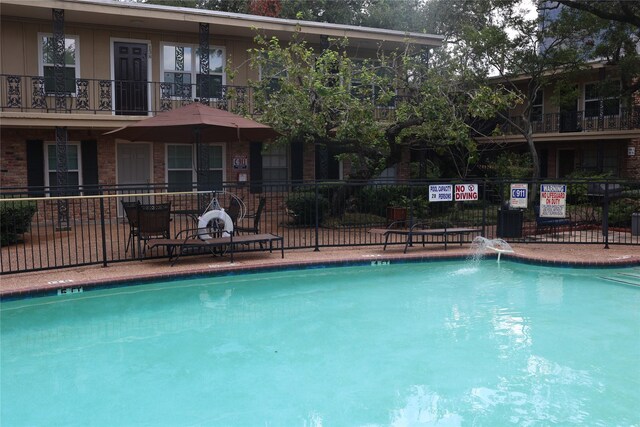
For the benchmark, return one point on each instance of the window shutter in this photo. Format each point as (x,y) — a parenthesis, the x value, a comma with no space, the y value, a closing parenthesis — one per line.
(35,167)
(89,152)
(297,161)
(255,167)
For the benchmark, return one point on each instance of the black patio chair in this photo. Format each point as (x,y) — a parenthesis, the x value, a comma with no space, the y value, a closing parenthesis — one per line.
(131,212)
(153,222)
(255,229)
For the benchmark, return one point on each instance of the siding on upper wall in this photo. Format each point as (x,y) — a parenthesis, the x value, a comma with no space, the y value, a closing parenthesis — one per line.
(19,42)
(585,77)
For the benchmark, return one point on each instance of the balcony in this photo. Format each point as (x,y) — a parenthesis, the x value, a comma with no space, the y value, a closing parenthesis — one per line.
(578,121)
(35,94)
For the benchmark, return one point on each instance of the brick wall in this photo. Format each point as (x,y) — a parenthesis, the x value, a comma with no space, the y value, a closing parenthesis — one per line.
(309,166)
(632,163)
(13,160)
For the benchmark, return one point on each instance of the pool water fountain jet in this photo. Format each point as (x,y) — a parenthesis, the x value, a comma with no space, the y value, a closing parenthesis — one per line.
(482,245)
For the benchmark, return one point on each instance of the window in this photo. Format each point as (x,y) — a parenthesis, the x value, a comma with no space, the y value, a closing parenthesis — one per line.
(215,77)
(213,178)
(603,159)
(176,69)
(273,72)
(537,107)
(600,100)
(590,160)
(71,63)
(181,68)
(275,166)
(182,168)
(379,94)
(73,168)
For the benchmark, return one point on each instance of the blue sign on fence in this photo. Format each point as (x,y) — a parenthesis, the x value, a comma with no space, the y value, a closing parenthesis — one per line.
(519,195)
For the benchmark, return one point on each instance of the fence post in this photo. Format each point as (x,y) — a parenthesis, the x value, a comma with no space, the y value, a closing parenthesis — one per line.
(317,246)
(484,208)
(605,215)
(411,205)
(102,228)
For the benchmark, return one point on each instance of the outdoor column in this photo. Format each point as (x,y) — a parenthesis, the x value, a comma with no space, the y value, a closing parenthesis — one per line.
(60,105)
(204,64)
(58,49)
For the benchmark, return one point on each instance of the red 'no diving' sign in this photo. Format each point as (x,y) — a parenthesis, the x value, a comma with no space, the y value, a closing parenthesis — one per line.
(466,192)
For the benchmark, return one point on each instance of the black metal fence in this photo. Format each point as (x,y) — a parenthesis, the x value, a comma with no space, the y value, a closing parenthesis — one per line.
(39,233)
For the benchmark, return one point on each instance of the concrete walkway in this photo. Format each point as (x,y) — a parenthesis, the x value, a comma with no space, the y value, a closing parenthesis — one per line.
(52,280)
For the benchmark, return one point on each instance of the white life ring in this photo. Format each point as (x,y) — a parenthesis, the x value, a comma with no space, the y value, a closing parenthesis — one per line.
(205,220)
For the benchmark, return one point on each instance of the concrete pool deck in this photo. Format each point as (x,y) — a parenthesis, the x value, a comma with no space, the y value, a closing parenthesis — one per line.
(550,254)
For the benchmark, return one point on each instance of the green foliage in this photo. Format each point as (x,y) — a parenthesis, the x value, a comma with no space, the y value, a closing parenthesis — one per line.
(498,37)
(578,187)
(330,99)
(15,219)
(418,206)
(354,220)
(510,165)
(302,207)
(426,169)
(620,211)
(375,199)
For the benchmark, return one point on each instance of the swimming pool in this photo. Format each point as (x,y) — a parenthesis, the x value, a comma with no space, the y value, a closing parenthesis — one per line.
(440,343)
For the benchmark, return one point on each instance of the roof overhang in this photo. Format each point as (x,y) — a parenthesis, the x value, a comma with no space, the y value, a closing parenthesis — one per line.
(186,20)
(45,120)
(590,66)
(563,137)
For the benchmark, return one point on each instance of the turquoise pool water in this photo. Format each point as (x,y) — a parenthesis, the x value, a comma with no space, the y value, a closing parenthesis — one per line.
(435,344)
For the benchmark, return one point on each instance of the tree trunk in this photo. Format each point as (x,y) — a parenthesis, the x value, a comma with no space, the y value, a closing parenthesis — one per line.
(528,135)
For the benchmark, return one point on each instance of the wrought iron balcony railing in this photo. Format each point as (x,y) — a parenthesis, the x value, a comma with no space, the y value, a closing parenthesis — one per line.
(97,96)
(118,97)
(578,121)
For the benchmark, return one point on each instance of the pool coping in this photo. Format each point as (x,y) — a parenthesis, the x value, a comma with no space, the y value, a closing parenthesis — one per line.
(57,288)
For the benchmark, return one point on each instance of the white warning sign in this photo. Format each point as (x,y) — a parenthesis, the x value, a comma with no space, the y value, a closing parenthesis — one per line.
(440,193)
(519,195)
(553,200)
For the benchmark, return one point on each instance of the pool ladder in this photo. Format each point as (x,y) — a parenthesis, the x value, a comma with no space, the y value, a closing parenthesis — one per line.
(627,278)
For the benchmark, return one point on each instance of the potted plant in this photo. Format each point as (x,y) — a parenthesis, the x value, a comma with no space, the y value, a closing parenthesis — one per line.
(397,211)
(400,210)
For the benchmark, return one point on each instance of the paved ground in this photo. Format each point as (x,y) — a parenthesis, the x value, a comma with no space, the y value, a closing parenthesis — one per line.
(25,283)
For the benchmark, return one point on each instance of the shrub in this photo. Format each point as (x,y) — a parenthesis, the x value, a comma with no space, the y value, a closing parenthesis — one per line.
(302,207)
(15,219)
(375,199)
(578,190)
(510,165)
(620,212)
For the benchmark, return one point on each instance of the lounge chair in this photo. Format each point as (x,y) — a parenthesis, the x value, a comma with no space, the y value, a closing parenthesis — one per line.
(188,239)
(418,229)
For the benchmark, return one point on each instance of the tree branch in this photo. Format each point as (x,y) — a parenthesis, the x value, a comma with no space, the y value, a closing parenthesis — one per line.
(628,13)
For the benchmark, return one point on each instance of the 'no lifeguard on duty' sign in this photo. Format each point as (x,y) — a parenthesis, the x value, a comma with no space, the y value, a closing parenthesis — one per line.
(553,200)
